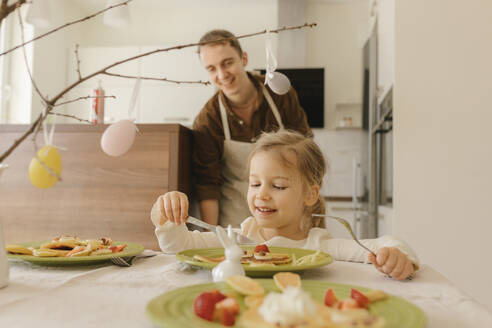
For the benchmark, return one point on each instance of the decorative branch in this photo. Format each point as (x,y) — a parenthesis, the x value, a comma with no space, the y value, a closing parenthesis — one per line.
(156,79)
(77,60)
(20,2)
(72,116)
(52,102)
(82,98)
(6,10)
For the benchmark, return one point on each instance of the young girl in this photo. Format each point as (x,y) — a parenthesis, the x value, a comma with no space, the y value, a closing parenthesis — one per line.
(286,170)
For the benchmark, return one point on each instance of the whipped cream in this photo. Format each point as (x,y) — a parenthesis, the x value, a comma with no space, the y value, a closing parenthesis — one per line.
(291,307)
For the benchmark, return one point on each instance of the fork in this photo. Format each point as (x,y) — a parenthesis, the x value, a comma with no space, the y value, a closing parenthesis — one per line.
(119,261)
(347,226)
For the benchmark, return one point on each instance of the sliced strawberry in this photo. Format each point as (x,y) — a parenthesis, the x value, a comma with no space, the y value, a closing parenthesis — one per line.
(262,248)
(230,304)
(227,318)
(204,305)
(117,248)
(347,304)
(217,295)
(360,298)
(330,298)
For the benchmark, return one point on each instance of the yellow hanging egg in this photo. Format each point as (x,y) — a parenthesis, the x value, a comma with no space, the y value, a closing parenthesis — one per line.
(39,175)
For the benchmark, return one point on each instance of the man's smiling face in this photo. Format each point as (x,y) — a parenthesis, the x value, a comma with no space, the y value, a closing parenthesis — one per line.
(225,67)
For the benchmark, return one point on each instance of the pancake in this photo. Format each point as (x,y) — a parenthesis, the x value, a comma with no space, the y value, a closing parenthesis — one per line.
(274,258)
(249,257)
(17,249)
(251,318)
(62,244)
(45,252)
(212,260)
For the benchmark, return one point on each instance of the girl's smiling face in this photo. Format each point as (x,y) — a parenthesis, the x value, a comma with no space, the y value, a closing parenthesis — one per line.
(276,196)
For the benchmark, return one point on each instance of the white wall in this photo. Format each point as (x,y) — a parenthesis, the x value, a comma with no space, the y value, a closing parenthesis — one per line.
(18,102)
(170,24)
(50,54)
(442,134)
(336,44)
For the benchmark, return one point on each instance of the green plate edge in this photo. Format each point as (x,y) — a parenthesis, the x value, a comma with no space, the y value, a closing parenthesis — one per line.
(187,257)
(175,308)
(130,250)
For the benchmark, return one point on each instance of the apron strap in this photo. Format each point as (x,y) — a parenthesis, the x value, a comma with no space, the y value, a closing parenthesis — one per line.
(223,116)
(273,107)
(271,103)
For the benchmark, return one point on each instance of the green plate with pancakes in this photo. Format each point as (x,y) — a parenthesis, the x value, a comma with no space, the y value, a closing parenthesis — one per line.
(175,308)
(258,271)
(131,249)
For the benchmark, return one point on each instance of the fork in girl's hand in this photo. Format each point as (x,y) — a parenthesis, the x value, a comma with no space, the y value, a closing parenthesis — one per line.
(347,226)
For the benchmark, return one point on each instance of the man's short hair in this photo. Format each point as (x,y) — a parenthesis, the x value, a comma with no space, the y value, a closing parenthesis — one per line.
(217,37)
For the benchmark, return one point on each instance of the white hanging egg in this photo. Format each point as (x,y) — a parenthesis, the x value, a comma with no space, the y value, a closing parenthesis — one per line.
(279,83)
(118,138)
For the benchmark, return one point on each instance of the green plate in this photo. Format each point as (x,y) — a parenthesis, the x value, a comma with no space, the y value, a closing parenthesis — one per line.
(187,257)
(175,308)
(130,250)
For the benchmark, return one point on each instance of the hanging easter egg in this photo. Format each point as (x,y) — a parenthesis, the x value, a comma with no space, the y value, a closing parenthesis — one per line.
(39,175)
(279,83)
(118,138)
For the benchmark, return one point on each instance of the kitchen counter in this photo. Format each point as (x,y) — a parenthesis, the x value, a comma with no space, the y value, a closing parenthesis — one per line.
(99,195)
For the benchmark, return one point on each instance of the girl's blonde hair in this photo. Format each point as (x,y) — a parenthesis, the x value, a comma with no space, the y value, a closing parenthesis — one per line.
(310,163)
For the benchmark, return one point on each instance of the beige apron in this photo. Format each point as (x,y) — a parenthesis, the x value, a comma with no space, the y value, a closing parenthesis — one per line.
(233,206)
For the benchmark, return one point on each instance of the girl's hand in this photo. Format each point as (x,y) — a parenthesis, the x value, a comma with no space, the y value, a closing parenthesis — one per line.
(173,207)
(393,262)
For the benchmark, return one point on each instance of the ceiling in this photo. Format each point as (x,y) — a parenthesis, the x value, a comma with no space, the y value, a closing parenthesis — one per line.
(90,6)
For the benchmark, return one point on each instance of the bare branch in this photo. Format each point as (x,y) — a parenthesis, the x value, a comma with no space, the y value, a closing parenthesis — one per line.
(156,79)
(71,116)
(25,59)
(63,26)
(103,70)
(51,102)
(78,60)
(82,98)
(5,9)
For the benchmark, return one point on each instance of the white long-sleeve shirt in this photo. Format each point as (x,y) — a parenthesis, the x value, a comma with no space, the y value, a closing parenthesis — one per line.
(175,238)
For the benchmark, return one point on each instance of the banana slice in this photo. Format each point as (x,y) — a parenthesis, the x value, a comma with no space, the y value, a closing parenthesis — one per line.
(245,285)
(286,279)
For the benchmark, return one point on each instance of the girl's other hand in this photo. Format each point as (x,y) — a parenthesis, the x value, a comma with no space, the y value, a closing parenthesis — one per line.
(391,261)
(173,207)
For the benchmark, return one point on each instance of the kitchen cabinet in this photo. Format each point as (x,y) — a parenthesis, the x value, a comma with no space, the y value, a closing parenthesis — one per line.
(99,195)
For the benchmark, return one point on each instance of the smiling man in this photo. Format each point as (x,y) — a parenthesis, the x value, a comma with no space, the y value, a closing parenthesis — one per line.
(228,125)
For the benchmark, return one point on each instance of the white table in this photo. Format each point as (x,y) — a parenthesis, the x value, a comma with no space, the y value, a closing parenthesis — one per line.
(111,296)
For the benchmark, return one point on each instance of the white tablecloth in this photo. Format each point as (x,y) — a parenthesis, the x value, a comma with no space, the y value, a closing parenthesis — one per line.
(111,296)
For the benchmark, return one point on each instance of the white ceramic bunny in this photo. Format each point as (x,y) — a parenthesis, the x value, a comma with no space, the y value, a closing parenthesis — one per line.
(231,266)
